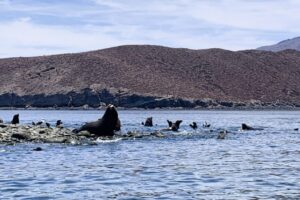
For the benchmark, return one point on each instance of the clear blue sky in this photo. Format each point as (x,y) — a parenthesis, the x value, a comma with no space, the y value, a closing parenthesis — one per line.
(40,27)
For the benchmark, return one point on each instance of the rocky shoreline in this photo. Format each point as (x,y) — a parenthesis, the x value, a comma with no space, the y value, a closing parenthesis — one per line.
(88,99)
(12,134)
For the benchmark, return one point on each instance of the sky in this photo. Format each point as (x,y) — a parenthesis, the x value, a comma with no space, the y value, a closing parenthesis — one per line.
(43,27)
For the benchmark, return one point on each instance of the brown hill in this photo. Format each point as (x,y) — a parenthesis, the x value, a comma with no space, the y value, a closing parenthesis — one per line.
(126,75)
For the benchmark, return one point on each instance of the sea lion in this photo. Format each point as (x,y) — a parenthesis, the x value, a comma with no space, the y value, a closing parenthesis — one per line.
(245,127)
(39,123)
(48,125)
(15,119)
(296,129)
(222,134)
(148,122)
(1,121)
(174,126)
(106,125)
(58,123)
(193,125)
(206,125)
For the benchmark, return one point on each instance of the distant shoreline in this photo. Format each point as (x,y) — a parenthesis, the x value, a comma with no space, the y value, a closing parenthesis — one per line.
(280,108)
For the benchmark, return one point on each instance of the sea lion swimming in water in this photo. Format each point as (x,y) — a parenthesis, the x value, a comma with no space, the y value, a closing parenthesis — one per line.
(106,125)
(15,119)
(148,122)
(245,127)
(174,126)
(206,125)
(193,125)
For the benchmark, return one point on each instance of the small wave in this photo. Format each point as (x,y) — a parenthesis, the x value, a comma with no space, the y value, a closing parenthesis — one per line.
(103,141)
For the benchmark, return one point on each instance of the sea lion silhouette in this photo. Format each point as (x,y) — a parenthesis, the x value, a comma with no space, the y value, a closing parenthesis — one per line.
(174,126)
(58,123)
(15,119)
(106,125)
(148,122)
(193,125)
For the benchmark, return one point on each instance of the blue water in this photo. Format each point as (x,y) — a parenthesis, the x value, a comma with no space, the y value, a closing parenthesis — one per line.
(189,164)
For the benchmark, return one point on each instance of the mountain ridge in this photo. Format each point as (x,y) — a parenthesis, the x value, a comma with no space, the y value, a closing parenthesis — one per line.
(138,72)
(293,44)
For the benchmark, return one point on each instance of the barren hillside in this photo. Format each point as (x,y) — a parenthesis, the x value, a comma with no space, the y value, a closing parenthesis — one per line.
(128,73)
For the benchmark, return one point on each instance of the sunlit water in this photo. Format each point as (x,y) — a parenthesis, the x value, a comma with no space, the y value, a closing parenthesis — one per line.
(185,165)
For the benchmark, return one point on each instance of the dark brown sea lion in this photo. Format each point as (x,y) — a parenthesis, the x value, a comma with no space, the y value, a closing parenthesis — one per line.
(148,122)
(222,134)
(206,125)
(58,123)
(194,125)
(15,119)
(106,125)
(245,127)
(48,125)
(174,126)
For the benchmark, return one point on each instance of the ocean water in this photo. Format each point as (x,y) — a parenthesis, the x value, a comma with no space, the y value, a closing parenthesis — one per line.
(262,164)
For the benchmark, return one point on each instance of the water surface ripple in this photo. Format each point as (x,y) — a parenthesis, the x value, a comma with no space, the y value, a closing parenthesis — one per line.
(185,165)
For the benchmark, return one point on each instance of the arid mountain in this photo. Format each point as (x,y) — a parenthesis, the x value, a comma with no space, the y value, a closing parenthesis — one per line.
(283,45)
(152,76)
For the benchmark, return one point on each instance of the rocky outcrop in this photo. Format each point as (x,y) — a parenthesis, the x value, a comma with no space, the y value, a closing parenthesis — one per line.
(91,99)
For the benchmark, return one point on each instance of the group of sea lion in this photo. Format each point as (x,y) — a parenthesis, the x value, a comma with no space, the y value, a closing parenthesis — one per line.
(110,122)
(16,120)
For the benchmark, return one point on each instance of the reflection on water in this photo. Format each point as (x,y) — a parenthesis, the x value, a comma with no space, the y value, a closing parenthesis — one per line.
(185,165)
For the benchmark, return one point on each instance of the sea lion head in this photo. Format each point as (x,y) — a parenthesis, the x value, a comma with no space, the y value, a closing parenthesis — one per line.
(174,126)
(15,119)
(111,117)
(148,122)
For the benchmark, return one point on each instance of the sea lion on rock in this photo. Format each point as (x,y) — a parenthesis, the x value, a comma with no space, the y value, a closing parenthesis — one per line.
(15,119)
(148,122)
(48,125)
(174,126)
(106,125)
(193,125)
(58,123)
